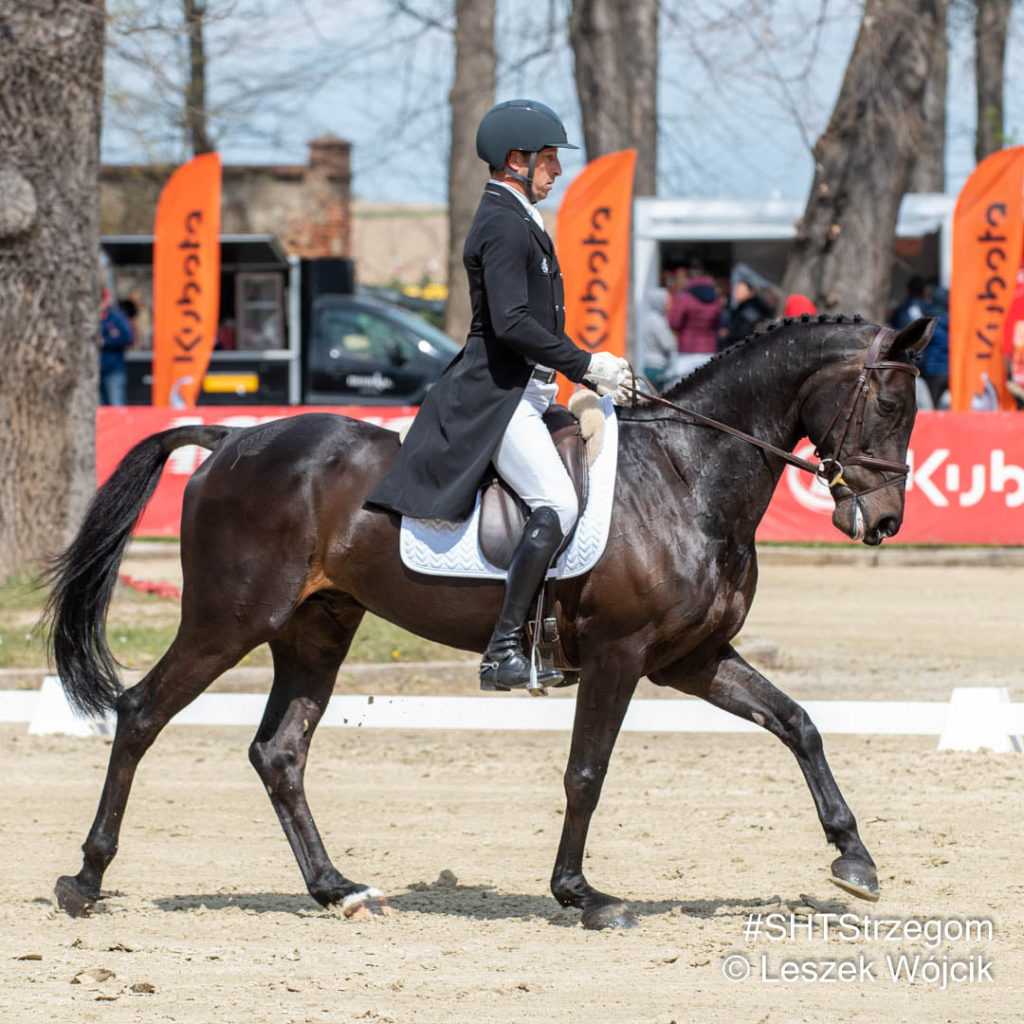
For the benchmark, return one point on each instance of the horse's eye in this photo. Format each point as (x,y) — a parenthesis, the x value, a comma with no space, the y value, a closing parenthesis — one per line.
(884,405)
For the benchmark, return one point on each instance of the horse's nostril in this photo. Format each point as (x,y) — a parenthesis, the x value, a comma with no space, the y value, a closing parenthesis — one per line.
(888,525)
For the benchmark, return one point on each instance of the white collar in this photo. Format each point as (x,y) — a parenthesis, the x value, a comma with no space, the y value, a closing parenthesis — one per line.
(530,207)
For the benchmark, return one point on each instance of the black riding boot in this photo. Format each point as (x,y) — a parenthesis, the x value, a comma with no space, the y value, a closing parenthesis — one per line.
(506,664)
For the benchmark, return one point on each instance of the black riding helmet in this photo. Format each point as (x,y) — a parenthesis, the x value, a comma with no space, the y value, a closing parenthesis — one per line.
(525,125)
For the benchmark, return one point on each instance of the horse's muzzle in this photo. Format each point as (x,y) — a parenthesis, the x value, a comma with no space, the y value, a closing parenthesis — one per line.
(849,517)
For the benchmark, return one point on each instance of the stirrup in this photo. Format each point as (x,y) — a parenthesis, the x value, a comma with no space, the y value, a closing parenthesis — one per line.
(499,653)
(522,675)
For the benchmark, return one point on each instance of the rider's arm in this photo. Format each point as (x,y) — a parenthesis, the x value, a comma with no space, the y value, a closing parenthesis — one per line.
(508,266)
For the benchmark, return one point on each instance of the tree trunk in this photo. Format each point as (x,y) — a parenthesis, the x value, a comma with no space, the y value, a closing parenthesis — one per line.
(196,131)
(472,95)
(930,168)
(615,50)
(51,78)
(842,256)
(991,26)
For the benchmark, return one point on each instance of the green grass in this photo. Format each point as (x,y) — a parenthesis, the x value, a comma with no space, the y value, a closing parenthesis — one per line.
(140,627)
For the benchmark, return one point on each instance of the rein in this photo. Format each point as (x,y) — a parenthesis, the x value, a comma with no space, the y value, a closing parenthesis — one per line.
(828,469)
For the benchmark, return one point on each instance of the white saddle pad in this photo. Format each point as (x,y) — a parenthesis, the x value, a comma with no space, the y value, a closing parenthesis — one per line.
(440,548)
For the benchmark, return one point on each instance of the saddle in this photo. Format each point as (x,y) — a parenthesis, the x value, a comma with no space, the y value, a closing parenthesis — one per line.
(503,513)
(503,516)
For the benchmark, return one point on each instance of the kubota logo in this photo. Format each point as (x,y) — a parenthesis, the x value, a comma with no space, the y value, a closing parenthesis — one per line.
(940,481)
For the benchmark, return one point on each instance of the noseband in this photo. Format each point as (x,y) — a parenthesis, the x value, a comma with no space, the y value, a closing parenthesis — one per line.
(828,468)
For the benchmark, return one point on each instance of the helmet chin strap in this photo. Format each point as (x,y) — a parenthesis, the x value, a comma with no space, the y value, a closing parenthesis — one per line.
(526,179)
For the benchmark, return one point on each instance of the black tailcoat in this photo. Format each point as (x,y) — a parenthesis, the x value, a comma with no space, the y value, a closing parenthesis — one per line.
(518,322)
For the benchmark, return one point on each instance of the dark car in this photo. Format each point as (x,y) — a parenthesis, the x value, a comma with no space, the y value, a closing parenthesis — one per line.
(363,351)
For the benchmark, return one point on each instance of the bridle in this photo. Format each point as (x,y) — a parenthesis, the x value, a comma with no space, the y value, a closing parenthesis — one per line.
(829,469)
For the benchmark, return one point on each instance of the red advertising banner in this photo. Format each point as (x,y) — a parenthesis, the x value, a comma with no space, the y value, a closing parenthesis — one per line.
(118,429)
(966,486)
(966,483)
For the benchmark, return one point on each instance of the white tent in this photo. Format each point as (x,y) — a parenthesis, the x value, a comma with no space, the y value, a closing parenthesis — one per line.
(759,233)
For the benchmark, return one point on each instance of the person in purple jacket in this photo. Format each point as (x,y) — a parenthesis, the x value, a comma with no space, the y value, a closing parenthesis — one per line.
(695,315)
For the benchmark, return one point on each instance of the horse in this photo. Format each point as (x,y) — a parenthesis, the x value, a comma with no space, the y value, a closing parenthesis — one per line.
(279,547)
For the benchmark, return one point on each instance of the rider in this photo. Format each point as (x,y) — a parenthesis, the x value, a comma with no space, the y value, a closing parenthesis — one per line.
(488,404)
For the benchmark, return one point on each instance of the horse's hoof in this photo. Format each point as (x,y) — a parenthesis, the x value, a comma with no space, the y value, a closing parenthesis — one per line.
(70,898)
(856,876)
(611,916)
(364,904)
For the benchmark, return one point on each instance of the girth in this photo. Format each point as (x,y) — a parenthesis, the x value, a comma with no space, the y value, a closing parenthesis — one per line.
(503,513)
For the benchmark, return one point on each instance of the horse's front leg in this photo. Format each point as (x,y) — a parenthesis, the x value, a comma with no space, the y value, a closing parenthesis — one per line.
(739,688)
(604,694)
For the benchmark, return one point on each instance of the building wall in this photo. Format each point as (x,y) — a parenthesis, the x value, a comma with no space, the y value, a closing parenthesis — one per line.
(308,207)
(405,243)
(400,244)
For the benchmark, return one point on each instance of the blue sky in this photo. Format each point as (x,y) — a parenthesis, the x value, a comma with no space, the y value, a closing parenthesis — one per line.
(745,86)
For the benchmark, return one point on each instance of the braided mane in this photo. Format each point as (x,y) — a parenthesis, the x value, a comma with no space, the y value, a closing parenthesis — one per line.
(804,318)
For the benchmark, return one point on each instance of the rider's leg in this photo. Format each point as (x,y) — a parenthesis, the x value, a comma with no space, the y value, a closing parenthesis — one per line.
(528,462)
(506,662)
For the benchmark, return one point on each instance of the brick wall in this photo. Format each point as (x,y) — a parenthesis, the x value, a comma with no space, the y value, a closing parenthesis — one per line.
(307,206)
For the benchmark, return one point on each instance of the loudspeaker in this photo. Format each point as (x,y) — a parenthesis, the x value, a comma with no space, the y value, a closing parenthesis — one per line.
(327,276)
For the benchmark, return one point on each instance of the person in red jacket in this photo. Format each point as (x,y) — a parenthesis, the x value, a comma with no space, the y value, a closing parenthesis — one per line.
(695,315)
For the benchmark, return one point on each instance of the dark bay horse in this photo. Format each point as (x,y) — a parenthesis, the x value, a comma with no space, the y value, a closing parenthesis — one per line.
(277,546)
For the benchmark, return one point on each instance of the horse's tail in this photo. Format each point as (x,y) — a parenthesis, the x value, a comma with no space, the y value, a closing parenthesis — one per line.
(83,576)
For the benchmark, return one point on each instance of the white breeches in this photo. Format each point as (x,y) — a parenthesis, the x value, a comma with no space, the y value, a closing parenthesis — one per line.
(527,460)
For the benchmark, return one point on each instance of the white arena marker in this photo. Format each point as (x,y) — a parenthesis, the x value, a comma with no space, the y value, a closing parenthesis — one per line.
(53,714)
(980,716)
(18,705)
(975,717)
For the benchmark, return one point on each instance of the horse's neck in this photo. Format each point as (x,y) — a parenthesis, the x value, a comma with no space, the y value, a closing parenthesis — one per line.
(755,387)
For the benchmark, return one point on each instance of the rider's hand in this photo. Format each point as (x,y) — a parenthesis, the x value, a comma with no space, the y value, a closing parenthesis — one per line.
(606,371)
(623,394)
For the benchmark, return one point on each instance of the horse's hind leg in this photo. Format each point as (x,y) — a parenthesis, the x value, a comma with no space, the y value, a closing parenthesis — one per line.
(142,711)
(740,689)
(307,655)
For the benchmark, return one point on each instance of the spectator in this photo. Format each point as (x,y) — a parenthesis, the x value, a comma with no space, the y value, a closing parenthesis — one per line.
(694,316)
(657,339)
(671,279)
(912,306)
(748,311)
(935,358)
(116,333)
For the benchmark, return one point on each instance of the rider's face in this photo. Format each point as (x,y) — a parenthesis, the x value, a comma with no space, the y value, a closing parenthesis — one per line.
(545,169)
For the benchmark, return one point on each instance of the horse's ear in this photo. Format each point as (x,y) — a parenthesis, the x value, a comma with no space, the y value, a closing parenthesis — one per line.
(910,342)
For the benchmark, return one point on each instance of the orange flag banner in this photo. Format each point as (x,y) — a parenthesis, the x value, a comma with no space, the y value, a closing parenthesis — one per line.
(186,280)
(592,240)
(988,235)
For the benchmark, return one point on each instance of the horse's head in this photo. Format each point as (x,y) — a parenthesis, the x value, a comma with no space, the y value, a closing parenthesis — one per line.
(860,411)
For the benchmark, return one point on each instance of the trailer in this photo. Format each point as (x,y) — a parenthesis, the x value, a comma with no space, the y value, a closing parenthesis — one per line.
(290,331)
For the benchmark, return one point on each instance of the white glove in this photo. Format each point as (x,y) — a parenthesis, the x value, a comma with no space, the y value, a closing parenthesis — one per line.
(606,370)
(612,376)
(623,394)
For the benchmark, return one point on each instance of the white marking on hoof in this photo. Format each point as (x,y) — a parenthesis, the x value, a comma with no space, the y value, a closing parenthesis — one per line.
(758,718)
(360,896)
(354,905)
